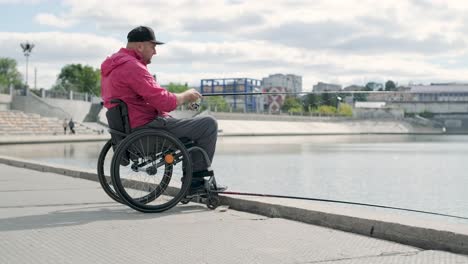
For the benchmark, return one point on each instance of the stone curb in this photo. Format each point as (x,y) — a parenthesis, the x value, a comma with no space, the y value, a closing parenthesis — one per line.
(425,238)
(51,139)
(69,139)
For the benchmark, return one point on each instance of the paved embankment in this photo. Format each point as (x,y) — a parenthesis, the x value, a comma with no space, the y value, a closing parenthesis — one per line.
(48,218)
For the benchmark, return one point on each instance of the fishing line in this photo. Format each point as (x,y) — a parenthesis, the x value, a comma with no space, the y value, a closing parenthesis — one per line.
(318,199)
(296,93)
(342,202)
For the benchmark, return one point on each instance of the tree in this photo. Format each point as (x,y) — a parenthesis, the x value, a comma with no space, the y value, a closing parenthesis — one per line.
(78,78)
(328,99)
(9,75)
(390,86)
(369,86)
(292,104)
(215,103)
(311,101)
(177,88)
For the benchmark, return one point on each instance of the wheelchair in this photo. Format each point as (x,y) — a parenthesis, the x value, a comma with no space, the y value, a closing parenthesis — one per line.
(151,169)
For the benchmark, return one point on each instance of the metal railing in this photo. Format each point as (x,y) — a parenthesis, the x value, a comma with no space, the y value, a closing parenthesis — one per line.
(4,89)
(70,95)
(55,94)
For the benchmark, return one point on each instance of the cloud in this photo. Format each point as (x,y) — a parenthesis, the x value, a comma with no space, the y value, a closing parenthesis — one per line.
(317,35)
(196,60)
(20,1)
(53,50)
(220,25)
(373,44)
(54,21)
(322,40)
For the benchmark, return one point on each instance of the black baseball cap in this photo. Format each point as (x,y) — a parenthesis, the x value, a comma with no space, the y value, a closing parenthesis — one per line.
(142,34)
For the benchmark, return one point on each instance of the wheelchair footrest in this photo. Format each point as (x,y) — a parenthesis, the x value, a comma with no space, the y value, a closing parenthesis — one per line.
(203,173)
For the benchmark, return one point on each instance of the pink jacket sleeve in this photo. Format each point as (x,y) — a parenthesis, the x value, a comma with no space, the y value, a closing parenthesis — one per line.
(141,81)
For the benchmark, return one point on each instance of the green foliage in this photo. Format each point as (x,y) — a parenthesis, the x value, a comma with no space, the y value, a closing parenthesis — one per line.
(326,110)
(296,110)
(9,74)
(361,97)
(345,110)
(78,78)
(177,87)
(368,86)
(215,102)
(390,86)
(311,101)
(292,104)
(328,99)
(426,114)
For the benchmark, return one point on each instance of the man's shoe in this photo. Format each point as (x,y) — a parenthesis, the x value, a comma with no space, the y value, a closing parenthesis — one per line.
(197,187)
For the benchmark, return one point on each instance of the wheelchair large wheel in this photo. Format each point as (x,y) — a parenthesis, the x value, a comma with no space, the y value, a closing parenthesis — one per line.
(151,170)
(104,172)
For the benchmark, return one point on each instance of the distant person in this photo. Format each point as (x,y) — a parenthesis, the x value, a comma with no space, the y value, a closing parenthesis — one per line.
(71,124)
(65,126)
(125,76)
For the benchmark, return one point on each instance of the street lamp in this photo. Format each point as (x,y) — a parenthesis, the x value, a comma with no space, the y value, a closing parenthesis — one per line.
(27,48)
(338,101)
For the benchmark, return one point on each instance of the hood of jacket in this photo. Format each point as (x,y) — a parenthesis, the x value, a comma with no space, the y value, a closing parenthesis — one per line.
(124,55)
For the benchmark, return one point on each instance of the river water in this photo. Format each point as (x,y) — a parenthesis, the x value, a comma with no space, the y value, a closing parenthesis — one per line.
(412,171)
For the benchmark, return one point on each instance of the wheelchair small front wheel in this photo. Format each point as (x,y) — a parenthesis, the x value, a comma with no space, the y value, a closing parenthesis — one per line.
(151,170)
(213,202)
(103,171)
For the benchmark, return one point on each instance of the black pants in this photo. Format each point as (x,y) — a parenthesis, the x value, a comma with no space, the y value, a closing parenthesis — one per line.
(203,130)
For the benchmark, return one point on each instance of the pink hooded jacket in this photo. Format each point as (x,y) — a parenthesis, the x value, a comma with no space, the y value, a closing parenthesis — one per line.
(124,76)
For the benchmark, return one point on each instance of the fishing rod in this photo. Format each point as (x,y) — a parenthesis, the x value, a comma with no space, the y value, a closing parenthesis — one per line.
(194,106)
(254,93)
(342,202)
(299,93)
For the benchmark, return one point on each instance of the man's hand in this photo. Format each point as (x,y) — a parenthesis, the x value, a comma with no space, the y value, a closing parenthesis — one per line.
(191,95)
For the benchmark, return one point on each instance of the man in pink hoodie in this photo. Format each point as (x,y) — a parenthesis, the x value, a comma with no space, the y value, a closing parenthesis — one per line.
(124,76)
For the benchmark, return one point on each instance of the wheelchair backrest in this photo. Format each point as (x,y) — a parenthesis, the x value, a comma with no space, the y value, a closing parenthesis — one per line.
(117,119)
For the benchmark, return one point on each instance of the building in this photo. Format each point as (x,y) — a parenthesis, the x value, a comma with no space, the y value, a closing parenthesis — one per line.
(230,87)
(440,92)
(292,83)
(353,87)
(322,87)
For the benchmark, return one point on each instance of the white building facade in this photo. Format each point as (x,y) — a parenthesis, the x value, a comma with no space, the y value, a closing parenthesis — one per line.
(322,87)
(292,83)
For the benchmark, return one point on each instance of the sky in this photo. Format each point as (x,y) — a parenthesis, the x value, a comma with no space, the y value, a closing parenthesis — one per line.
(335,41)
